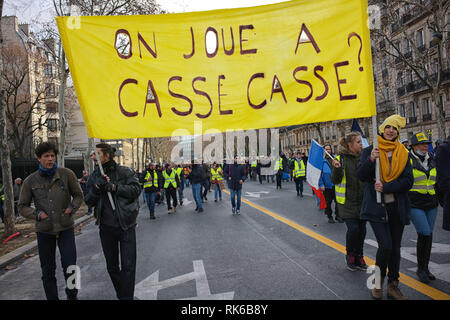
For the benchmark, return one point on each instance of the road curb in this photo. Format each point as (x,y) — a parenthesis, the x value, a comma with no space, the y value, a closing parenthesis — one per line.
(30,247)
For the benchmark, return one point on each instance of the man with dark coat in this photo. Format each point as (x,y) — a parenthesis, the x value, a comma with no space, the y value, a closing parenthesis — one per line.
(235,174)
(116,220)
(442,158)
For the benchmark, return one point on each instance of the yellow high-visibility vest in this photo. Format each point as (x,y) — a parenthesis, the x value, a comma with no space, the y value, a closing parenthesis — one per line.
(2,197)
(299,171)
(216,174)
(169,179)
(154,182)
(422,183)
(340,188)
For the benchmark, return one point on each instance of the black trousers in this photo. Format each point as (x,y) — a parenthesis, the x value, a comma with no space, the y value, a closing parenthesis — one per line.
(356,233)
(47,256)
(171,193)
(119,243)
(279,176)
(330,196)
(389,237)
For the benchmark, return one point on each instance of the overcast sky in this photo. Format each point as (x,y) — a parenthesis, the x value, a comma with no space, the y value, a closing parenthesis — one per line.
(36,11)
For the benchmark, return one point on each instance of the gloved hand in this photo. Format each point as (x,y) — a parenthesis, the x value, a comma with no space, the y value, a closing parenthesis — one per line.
(100,182)
(110,187)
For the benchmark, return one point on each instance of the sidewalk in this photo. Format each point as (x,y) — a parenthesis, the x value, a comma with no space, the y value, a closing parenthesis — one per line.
(30,247)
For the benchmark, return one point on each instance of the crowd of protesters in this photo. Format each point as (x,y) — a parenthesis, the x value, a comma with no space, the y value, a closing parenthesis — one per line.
(414,180)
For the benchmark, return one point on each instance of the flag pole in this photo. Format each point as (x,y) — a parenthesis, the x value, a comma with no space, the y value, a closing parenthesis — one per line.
(332,158)
(103,173)
(377,160)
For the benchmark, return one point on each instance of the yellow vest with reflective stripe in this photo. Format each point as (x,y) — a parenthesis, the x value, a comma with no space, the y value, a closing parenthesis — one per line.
(254,164)
(215,174)
(169,179)
(299,171)
(2,197)
(154,182)
(422,183)
(178,172)
(340,188)
(279,164)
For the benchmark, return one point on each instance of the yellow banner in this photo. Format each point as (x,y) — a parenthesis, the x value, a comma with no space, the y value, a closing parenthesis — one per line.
(270,66)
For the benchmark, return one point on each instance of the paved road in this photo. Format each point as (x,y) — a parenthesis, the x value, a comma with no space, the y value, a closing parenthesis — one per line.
(280,248)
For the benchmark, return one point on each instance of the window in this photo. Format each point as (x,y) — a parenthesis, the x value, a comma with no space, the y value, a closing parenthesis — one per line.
(366,130)
(386,93)
(38,86)
(36,67)
(420,39)
(48,70)
(412,109)
(410,76)
(327,133)
(426,106)
(52,124)
(51,107)
(50,89)
(442,104)
(400,79)
(402,110)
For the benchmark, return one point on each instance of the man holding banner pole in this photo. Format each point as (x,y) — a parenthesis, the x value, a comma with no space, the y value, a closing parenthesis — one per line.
(114,191)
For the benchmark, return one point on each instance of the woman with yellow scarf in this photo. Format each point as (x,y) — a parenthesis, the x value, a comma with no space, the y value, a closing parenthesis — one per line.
(389,217)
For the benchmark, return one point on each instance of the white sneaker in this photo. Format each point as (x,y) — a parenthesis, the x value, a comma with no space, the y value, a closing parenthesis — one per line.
(238,212)
(233,210)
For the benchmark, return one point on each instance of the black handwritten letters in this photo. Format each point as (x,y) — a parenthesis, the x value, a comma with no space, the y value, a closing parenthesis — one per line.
(228,41)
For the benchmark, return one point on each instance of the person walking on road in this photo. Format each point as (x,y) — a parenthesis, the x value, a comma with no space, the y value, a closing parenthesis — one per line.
(424,202)
(349,196)
(217,180)
(197,176)
(327,187)
(57,196)
(180,173)
(149,178)
(443,179)
(279,170)
(171,185)
(389,217)
(117,225)
(299,174)
(236,177)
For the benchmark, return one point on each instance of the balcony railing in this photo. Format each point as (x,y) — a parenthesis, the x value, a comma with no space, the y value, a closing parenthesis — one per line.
(412,119)
(426,117)
(410,87)
(401,91)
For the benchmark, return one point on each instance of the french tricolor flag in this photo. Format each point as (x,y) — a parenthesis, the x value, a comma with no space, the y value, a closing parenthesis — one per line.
(315,163)
(314,169)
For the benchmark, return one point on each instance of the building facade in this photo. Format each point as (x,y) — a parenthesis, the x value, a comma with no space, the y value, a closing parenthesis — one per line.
(403,39)
(32,88)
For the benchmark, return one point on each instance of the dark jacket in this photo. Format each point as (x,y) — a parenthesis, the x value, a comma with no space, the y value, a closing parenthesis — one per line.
(51,195)
(442,158)
(419,200)
(325,175)
(370,209)
(235,173)
(125,198)
(197,174)
(354,188)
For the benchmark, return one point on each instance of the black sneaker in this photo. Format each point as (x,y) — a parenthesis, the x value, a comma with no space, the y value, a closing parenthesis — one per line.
(339,219)
(360,263)
(330,220)
(200,210)
(351,262)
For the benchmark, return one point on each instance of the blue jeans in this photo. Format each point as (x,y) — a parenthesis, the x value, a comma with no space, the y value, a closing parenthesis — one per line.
(150,198)
(180,192)
(2,214)
(237,194)
(217,191)
(423,220)
(196,188)
(47,256)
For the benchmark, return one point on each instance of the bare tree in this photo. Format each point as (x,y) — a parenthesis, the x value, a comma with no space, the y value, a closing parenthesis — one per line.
(408,51)
(8,205)
(23,109)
